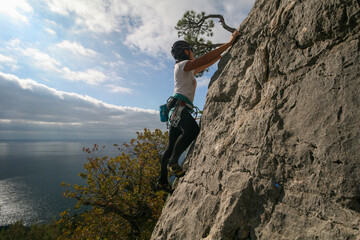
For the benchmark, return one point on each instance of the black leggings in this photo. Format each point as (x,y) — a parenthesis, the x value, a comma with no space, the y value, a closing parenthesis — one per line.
(180,138)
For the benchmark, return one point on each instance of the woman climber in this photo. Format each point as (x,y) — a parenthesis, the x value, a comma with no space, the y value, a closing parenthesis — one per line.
(183,127)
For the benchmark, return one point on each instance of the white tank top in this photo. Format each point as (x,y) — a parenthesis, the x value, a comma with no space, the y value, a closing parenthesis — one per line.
(185,82)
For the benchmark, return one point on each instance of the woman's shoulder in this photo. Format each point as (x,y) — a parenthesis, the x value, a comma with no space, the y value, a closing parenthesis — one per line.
(181,65)
(181,62)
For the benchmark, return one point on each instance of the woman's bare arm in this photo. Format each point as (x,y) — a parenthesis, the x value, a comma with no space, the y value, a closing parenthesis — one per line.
(203,67)
(210,56)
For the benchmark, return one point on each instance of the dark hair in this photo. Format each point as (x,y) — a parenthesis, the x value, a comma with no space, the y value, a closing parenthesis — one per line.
(177,50)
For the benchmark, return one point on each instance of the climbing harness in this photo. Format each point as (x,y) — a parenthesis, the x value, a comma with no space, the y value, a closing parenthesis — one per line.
(175,113)
(171,111)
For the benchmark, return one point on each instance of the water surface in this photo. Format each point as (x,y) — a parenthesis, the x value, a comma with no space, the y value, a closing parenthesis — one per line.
(30,176)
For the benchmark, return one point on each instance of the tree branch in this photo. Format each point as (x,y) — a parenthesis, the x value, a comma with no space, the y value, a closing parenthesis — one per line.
(222,21)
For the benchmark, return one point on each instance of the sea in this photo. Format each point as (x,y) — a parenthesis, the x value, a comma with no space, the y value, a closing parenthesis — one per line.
(31,173)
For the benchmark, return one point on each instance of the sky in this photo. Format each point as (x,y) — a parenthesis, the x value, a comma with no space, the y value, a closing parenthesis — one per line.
(94,69)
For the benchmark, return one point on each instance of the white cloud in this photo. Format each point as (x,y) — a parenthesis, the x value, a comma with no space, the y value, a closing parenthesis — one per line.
(47,63)
(51,22)
(14,42)
(90,76)
(108,42)
(156,32)
(95,15)
(119,61)
(32,110)
(76,48)
(148,24)
(16,9)
(6,59)
(158,65)
(114,64)
(42,60)
(50,31)
(118,89)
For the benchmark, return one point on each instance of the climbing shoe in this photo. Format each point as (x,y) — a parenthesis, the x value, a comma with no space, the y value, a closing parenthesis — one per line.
(164,187)
(176,170)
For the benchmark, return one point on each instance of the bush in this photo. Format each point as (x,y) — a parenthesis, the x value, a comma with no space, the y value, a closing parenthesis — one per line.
(120,191)
(19,231)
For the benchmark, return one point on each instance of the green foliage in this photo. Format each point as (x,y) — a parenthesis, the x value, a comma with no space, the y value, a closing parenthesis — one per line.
(120,191)
(196,27)
(35,232)
(193,27)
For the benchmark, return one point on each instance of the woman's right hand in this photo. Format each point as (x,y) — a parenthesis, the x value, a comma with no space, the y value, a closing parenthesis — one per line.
(234,36)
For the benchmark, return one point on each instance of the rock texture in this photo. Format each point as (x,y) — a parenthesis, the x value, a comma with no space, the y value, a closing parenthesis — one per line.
(278,156)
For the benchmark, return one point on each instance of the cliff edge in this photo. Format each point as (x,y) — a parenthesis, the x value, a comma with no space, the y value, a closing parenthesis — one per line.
(278,155)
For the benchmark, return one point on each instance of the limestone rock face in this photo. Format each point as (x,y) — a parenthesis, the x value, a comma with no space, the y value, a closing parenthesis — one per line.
(278,155)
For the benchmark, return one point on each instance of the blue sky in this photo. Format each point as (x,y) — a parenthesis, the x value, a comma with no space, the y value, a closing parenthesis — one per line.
(94,69)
